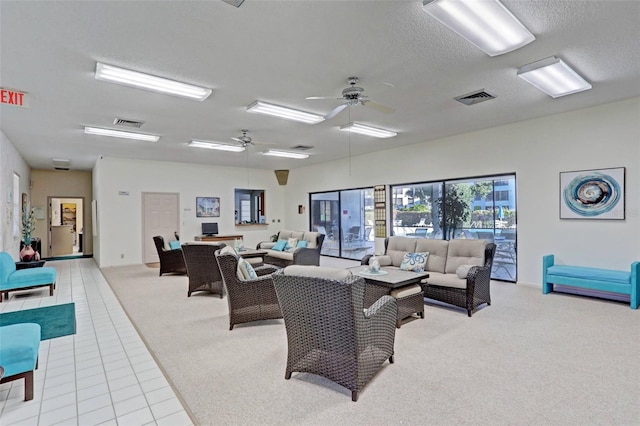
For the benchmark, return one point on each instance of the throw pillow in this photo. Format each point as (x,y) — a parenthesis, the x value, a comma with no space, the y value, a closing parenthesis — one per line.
(414,262)
(245,270)
(280,245)
(291,243)
(227,250)
(174,245)
(463,271)
(302,244)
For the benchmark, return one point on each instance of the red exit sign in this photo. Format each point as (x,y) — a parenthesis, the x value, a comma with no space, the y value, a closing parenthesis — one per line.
(13,97)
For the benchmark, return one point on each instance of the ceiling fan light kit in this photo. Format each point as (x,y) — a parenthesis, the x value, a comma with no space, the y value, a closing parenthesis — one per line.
(215,145)
(140,80)
(554,77)
(273,110)
(368,130)
(487,24)
(285,154)
(120,134)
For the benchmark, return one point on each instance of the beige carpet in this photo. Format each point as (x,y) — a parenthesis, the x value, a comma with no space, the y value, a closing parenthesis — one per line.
(528,359)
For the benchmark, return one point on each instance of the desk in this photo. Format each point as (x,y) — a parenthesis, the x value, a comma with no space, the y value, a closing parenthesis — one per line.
(227,239)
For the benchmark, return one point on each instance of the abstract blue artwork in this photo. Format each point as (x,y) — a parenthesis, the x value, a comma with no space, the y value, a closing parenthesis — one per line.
(592,194)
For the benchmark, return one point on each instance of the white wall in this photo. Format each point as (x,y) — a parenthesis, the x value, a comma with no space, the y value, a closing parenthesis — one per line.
(537,151)
(11,162)
(120,216)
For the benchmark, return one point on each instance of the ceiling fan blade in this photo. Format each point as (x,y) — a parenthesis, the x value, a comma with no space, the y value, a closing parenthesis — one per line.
(378,107)
(237,140)
(335,111)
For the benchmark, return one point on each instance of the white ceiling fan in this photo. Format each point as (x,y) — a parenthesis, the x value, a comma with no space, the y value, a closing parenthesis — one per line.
(353,95)
(246,141)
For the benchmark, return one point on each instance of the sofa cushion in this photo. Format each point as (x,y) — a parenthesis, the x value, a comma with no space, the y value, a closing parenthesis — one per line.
(311,238)
(446,280)
(398,247)
(279,245)
(291,243)
(438,250)
(383,260)
(30,277)
(245,270)
(463,271)
(280,254)
(174,245)
(399,293)
(465,252)
(414,262)
(336,274)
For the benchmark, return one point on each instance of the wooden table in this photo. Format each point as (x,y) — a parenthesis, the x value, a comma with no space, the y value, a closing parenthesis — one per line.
(393,279)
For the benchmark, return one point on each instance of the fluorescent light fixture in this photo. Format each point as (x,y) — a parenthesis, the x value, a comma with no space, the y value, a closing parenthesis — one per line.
(286,154)
(284,112)
(554,77)
(120,134)
(145,81)
(368,130)
(216,145)
(485,23)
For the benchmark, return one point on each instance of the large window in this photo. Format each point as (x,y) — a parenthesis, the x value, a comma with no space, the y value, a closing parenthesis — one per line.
(480,208)
(346,218)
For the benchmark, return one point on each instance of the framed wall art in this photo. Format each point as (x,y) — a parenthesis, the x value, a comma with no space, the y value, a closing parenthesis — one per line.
(592,194)
(207,206)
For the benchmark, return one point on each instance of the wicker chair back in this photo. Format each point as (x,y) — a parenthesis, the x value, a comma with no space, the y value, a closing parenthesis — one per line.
(202,268)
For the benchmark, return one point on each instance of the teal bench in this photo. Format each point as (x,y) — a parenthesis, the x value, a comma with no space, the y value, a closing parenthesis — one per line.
(23,279)
(621,282)
(19,346)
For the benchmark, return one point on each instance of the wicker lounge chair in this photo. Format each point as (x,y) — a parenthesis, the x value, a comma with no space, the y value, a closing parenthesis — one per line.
(202,268)
(328,331)
(170,260)
(249,300)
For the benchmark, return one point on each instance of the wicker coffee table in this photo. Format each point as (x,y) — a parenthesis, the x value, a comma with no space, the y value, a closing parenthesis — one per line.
(391,282)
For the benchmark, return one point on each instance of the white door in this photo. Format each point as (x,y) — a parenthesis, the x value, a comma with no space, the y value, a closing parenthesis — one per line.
(159,217)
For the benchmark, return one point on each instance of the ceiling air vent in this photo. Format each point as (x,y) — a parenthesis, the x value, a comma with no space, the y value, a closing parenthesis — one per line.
(60,164)
(301,147)
(475,97)
(127,123)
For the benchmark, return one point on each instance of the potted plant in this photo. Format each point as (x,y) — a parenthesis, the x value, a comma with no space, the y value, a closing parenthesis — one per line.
(27,253)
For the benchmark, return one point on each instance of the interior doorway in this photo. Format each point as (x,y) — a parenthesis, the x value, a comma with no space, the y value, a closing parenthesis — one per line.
(66,226)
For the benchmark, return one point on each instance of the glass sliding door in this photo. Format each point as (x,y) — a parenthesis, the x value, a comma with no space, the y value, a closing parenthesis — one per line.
(479,208)
(346,218)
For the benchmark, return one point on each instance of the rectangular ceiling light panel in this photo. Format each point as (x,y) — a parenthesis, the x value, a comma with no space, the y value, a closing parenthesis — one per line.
(286,154)
(487,24)
(216,145)
(284,112)
(554,77)
(120,134)
(149,82)
(368,130)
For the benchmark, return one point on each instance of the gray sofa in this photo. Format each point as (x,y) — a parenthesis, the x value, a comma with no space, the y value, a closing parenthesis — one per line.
(459,270)
(309,255)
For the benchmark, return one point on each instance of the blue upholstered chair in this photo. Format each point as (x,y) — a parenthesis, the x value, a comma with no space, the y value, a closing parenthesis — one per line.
(23,279)
(19,345)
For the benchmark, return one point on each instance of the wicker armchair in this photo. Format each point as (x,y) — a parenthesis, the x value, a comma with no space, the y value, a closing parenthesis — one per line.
(170,260)
(328,331)
(202,268)
(478,286)
(249,300)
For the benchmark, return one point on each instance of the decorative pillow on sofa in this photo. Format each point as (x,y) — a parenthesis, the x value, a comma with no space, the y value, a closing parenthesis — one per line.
(302,244)
(245,270)
(414,262)
(280,245)
(463,270)
(291,243)
(173,245)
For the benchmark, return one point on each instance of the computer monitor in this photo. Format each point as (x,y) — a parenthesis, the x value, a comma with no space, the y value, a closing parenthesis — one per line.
(210,228)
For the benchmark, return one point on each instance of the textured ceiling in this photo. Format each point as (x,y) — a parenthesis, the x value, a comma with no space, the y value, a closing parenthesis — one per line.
(281,52)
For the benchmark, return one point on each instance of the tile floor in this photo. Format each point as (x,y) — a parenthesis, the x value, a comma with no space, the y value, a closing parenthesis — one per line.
(103,374)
